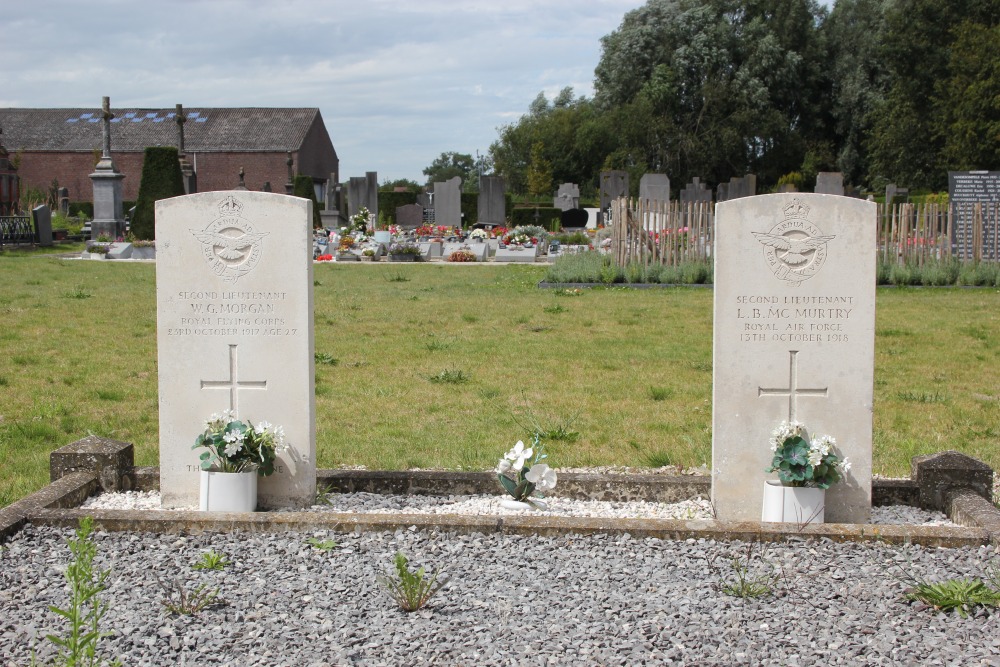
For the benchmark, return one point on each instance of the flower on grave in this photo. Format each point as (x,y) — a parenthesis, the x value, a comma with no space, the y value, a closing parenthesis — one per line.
(479,234)
(325,258)
(800,461)
(239,446)
(395,230)
(362,220)
(522,474)
(404,249)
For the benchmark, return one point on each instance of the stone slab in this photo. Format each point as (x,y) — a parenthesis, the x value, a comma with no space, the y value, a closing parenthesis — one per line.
(492,204)
(234,293)
(830,183)
(654,187)
(448,202)
(516,255)
(120,251)
(793,339)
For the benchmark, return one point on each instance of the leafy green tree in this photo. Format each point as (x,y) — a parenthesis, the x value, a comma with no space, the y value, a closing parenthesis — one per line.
(411,186)
(449,165)
(539,172)
(161,179)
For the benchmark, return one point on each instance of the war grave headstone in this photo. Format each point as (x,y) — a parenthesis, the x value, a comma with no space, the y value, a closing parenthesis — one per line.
(234,294)
(654,187)
(567,197)
(830,183)
(793,340)
(109,219)
(448,202)
(695,191)
(492,204)
(965,190)
(409,216)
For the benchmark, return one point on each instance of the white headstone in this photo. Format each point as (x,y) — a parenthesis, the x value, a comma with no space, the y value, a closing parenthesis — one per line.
(794,338)
(234,331)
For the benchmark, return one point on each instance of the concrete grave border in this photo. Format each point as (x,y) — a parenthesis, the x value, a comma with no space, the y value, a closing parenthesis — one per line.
(948,481)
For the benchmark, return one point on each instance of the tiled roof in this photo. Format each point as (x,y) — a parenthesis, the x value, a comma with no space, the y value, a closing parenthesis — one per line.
(206,130)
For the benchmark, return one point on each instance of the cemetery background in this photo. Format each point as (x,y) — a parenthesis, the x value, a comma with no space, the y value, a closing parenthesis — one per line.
(629,370)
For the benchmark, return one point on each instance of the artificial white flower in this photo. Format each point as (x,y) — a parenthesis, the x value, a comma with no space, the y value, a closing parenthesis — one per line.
(233,447)
(503,466)
(518,455)
(542,476)
(845,465)
(261,427)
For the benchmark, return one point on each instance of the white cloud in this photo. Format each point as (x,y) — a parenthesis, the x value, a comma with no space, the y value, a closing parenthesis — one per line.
(397,82)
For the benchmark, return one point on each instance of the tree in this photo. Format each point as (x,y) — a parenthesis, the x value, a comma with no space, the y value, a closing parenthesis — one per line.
(539,172)
(448,165)
(161,178)
(390,186)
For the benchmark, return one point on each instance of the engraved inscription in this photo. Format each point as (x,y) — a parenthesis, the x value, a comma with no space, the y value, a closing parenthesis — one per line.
(794,249)
(229,243)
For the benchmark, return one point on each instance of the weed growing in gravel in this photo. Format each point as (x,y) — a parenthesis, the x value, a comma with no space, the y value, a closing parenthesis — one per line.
(751,573)
(182,602)
(322,545)
(960,594)
(79,646)
(411,590)
(323,492)
(211,560)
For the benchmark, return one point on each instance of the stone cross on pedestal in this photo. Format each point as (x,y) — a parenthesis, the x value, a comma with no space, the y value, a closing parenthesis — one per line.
(187,171)
(290,185)
(233,383)
(792,390)
(106,116)
(109,219)
(180,118)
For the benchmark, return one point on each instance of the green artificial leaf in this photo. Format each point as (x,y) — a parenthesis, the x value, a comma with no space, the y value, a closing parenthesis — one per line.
(507,483)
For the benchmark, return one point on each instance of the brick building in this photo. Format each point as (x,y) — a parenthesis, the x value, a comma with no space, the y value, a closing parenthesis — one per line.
(65,144)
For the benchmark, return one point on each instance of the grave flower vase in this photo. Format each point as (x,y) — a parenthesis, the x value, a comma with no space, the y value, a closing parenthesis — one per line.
(228,491)
(792,504)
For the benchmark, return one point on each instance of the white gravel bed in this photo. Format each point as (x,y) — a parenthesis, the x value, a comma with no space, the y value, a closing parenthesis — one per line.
(373,503)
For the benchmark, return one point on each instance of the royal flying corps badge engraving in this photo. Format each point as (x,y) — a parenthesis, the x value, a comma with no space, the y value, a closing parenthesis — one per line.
(794,249)
(229,244)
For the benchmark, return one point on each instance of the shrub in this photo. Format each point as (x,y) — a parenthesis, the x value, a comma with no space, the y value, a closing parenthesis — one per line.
(303,187)
(161,179)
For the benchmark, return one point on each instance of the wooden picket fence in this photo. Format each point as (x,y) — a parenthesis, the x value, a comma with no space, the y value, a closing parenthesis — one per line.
(658,232)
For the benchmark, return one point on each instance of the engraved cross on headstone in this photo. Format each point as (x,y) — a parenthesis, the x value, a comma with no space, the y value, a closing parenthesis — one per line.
(233,384)
(106,116)
(792,390)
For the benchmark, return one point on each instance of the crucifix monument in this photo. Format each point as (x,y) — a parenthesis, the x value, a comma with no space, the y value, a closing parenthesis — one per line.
(109,220)
(234,332)
(793,340)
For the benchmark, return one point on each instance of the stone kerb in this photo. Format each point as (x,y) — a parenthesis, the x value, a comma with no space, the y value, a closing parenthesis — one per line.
(938,474)
(234,331)
(793,340)
(110,460)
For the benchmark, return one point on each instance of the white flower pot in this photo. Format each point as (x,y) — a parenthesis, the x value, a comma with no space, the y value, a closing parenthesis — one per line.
(792,504)
(535,504)
(228,491)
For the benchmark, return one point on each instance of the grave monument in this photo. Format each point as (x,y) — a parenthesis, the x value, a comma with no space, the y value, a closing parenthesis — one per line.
(965,190)
(654,187)
(109,219)
(567,197)
(492,203)
(793,340)
(234,294)
(448,202)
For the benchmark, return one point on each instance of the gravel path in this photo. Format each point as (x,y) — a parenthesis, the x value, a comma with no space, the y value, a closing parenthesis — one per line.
(511,600)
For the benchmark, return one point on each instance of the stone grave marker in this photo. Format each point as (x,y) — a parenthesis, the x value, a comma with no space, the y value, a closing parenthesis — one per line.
(737,187)
(109,219)
(567,197)
(654,187)
(830,183)
(793,340)
(695,191)
(492,204)
(363,191)
(509,254)
(234,293)
(409,216)
(614,184)
(42,217)
(480,250)
(448,202)
(431,249)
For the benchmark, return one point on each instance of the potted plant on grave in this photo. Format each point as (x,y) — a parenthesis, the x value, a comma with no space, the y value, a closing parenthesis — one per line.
(478,235)
(98,250)
(238,453)
(404,252)
(522,474)
(806,469)
(368,255)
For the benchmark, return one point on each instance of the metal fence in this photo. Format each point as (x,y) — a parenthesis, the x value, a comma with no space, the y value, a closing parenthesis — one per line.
(17,229)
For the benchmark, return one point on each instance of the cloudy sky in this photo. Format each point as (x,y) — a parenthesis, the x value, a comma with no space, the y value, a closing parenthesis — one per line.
(398,81)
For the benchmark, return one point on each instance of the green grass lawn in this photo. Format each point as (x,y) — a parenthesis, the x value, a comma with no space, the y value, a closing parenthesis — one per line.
(447,366)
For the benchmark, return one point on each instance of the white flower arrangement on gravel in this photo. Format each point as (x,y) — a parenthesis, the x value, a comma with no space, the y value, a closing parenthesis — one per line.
(522,473)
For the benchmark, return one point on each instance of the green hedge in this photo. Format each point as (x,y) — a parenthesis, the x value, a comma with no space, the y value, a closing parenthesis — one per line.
(388,202)
(77,208)
(161,179)
(548,217)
